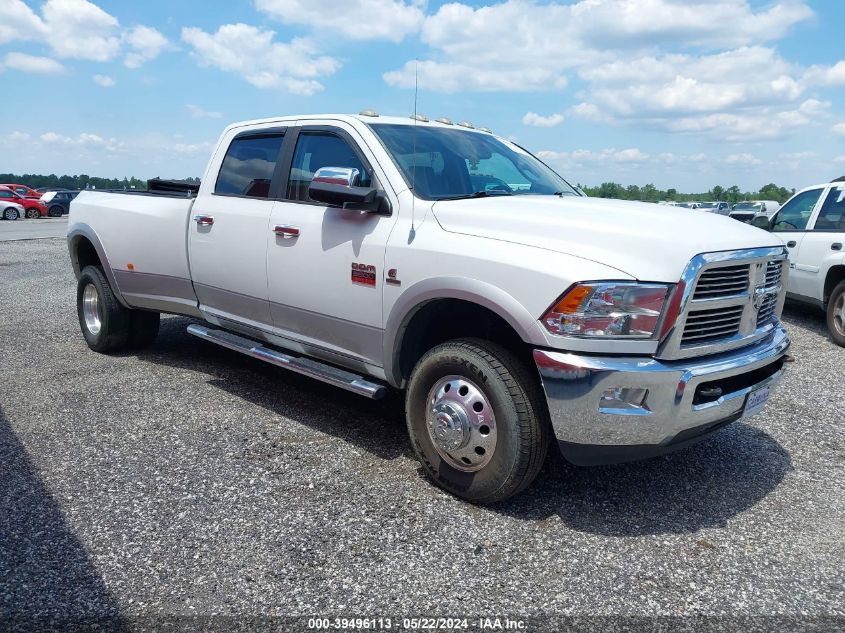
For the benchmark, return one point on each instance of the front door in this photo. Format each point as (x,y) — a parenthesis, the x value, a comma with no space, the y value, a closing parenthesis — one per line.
(791,224)
(325,265)
(822,245)
(228,228)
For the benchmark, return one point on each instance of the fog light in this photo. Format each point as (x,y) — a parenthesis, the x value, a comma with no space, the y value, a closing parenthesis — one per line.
(624,401)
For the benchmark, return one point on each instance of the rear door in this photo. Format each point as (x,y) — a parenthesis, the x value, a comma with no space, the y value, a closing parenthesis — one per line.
(227,232)
(791,223)
(822,246)
(326,280)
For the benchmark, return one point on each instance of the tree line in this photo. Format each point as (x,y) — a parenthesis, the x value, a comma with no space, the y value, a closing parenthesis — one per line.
(82,181)
(650,193)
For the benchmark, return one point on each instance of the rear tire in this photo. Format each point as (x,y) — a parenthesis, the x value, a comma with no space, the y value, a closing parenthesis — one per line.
(33,213)
(104,322)
(10,214)
(836,314)
(143,328)
(477,394)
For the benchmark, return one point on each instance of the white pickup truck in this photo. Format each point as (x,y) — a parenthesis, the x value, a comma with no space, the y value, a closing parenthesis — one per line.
(376,253)
(812,225)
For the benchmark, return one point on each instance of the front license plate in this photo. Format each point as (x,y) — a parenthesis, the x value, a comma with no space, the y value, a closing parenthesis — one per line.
(756,401)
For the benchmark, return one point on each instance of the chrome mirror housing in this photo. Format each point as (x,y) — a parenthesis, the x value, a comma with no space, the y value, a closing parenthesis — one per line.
(345,176)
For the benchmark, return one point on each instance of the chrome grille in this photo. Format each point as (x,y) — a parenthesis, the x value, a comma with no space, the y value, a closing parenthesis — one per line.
(729,300)
(704,326)
(724,281)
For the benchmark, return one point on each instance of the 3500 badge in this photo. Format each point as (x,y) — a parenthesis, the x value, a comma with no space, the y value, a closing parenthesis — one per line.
(363,274)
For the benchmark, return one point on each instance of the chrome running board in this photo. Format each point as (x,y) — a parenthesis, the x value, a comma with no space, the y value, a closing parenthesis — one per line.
(305,366)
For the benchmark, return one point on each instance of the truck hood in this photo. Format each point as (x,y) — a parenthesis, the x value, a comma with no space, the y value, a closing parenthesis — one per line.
(649,242)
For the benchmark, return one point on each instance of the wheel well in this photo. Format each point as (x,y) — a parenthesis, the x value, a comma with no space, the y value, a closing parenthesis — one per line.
(85,254)
(442,320)
(834,276)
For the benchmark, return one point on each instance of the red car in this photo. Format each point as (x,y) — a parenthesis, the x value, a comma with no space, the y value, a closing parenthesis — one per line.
(33,208)
(22,190)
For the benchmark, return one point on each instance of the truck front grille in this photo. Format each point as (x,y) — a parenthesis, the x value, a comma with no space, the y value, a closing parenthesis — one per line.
(731,299)
(705,326)
(722,282)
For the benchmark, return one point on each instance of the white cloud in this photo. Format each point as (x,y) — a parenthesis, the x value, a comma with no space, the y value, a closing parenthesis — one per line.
(543,41)
(839,128)
(18,137)
(31,64)
(389,20)
(104,81)
(145,43)
(537,120)
(199,113)
(85,139)
(745,159)
(630,155)
(79,29)
(253,54)
(826,75)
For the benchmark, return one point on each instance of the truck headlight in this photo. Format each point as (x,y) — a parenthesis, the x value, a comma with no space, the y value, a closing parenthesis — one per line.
(612,309)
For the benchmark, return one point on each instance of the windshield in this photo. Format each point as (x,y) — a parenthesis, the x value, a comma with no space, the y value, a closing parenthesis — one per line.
(440,164)
(708,205)
(747,206)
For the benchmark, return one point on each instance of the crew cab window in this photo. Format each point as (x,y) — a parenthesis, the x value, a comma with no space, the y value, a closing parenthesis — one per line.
(832,214)
(248,166)
(795,214)
(321,149)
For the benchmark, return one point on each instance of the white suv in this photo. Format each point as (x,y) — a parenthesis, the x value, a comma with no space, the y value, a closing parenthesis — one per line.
(812,224)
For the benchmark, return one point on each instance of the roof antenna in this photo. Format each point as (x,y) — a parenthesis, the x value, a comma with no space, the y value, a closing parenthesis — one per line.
(413,233)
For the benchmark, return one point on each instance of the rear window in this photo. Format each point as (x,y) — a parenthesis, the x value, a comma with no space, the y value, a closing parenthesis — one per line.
(248,166)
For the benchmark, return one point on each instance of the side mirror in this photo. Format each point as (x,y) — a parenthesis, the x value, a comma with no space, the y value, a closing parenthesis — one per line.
(338,187)
(763,222)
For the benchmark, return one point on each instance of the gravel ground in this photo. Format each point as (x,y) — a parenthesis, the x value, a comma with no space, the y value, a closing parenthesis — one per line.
(189,480)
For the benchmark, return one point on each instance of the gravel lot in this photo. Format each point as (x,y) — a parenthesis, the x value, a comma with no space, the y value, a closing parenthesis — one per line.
(191,480)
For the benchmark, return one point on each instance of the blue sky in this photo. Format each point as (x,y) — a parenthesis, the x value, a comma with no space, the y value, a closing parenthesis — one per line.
(685,94)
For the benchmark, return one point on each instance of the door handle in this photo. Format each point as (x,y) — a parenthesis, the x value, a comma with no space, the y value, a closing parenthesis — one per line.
(836,246)
(204,220)
(791,244)
(284,230)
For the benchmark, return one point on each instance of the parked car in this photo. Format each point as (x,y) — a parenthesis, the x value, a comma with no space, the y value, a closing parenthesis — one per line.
(22,190)
(11,210)
(355,250)
(812,225)
(747,211)
(58,202)
(721,208)
(33,208)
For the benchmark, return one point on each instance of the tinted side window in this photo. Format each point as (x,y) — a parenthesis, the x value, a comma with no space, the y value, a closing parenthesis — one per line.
(795,214)
(7,194)
(248,166)
(832,214)
(320,149)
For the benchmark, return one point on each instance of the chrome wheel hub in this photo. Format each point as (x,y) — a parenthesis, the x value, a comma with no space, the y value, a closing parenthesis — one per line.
(461,423)
(91,309)
(839,314)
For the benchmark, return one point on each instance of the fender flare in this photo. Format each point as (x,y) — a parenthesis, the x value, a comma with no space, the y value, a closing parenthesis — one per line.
(474,291)
(80,231)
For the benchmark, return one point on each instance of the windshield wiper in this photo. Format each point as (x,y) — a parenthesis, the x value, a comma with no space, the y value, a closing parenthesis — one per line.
(479,194)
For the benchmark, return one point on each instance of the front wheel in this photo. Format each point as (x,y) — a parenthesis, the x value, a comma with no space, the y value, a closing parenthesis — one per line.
(10,214)
(477,420)
(836,314)
(33,213)
(55,211)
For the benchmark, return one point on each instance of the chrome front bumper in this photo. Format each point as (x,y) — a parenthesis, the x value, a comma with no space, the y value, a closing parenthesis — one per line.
(658,405)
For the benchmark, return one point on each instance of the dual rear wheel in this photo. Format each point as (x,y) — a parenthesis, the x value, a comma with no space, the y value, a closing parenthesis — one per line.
(107,325)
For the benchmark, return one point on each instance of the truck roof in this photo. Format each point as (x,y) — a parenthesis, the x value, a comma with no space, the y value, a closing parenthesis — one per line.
(363,118)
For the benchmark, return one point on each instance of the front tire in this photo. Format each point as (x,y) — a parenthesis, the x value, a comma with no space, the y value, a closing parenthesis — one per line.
(477,420)
(33,213)
(836,314)
(104,322)
(55,211)
(10,214)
